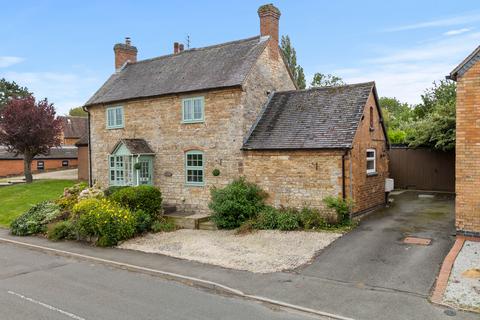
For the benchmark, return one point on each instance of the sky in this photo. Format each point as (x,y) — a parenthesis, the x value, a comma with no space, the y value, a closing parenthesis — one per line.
(63,50)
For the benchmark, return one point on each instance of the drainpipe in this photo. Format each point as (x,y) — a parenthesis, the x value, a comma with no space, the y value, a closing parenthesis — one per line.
(90,182)
(344,195)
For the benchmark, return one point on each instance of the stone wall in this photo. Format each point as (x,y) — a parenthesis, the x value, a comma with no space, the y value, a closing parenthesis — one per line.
(296,178)
(229,114)
(367,191)
(467,203)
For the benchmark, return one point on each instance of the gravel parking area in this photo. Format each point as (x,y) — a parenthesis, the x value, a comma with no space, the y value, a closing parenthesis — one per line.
(463,287)
(261,251)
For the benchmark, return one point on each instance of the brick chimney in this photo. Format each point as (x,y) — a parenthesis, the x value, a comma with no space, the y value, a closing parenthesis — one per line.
(180,47)
(175,47)
(269,17)
(124,52)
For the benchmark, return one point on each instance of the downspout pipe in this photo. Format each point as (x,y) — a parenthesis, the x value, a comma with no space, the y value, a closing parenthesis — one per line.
(90,182)
(344,191)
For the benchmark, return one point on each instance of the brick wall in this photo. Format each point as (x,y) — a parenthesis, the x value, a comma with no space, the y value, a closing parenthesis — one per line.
(15,167)
(229,114)
(296,178)
(367,191)
(467,173)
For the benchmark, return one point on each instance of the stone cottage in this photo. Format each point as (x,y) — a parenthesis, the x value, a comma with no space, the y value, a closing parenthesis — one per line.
(199,118)
(467,146)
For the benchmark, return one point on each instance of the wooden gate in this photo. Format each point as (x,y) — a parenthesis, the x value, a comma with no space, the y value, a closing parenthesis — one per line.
(422,169)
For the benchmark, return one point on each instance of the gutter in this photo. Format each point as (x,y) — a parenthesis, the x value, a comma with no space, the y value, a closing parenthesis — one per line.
(90,183)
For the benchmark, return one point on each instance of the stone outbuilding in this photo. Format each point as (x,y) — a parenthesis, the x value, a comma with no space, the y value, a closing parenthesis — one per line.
(467,146)
(209,115)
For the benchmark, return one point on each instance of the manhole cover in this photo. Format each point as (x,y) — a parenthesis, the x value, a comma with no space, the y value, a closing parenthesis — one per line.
(417,241)
(450,312)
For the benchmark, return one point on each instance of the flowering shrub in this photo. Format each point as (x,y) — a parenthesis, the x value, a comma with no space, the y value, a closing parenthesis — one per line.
(93,192)
(70,196)
(36,219)
(104,220)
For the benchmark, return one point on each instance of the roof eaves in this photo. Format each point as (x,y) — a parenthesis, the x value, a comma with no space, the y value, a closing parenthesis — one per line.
(453,75)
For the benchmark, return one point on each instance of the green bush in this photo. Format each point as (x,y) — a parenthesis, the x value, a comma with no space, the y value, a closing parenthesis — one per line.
(163,225)
(35,220)
(143,221)
(146,198)
(70,196)
(61,230)
(267,219)
(310,218)
(111,190)
(341,206)
(237,202)
(105,220)
(287,219)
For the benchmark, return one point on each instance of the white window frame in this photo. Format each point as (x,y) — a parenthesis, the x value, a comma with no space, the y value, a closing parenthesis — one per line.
(193,167)
(374,159)
(193,118)
(115,118)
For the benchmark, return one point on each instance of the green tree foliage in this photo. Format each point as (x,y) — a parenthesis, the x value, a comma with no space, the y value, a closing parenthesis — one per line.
(398,119)
(11,90)
(326,80)
(291,58)
(435,123)
(77,112)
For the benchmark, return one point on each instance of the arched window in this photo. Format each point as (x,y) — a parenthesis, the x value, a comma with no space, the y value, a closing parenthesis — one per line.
(194,171)
(371,118)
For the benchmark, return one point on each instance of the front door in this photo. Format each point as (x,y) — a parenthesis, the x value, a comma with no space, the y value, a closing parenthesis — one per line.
(145,173)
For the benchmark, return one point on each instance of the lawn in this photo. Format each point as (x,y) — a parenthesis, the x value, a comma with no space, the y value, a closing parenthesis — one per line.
(16,199)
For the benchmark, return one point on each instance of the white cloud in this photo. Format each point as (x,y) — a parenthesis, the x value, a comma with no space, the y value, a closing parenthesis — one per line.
(456,32)
(453,21)
(7,61)
(405,73)
(64,90)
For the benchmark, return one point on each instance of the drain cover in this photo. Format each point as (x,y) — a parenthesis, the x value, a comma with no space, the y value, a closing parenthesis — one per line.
(417,241)
(450,312)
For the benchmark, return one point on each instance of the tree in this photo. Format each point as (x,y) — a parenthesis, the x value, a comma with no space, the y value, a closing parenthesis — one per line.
(326,80)
(29,128)
(77,112)
(398,119)
(11,90)
(291,58)
(435,123)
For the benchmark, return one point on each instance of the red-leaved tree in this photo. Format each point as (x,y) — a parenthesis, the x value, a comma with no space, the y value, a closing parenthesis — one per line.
(29,128)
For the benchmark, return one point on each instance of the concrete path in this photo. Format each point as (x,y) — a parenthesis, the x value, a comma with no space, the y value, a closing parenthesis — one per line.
(69,174)
(35,285)
(377,290)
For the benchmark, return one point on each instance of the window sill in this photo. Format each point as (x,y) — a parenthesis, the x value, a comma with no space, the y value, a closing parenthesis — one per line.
(113,128)
(195,184)
(192,121)
(372,174)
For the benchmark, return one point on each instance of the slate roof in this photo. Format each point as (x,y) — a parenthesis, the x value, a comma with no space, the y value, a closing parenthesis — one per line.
(65,152)
(83,141)
(135,146)
(319,118)
(74,127)
(218,66)
(466,64)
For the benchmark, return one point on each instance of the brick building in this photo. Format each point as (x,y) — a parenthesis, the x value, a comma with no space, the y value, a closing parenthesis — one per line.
(171,121)
(467,147)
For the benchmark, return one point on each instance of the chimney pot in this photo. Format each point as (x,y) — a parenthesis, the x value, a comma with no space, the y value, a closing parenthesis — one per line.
(124,52)
(269,20)
(175,47)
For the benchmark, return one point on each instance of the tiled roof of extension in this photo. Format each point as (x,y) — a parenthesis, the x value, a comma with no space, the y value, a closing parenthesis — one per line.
(219,66)
(64,152)
(74,127)
(466,64)
(135,146)
(319,118)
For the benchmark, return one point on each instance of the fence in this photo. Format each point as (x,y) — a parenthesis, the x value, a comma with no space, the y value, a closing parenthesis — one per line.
(422,169)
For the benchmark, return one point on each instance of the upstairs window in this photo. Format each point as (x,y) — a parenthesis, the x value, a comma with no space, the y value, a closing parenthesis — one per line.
(194,168)
(193,109)
(371,161)
(115,118)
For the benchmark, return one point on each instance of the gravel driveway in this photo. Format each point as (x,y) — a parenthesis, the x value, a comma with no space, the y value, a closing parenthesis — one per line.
(261,251)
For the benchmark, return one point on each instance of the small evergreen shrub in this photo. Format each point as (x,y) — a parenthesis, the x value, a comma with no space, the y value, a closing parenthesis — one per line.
(163,225)
(287,219)
(267,219)
(111,190)
(61,230)
(237,202)
(310,218)
(341,207)
(36,219)
(146,198)
(105,221)
(143,221)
